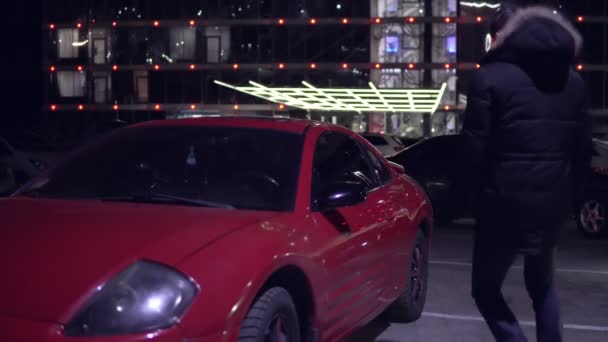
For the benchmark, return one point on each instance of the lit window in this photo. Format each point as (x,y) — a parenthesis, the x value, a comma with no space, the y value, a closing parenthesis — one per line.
(182,43)
(392,44)
(71,83)
(67,38)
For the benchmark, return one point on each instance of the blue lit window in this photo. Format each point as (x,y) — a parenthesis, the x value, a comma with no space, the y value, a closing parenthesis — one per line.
(392,44)
(451,44)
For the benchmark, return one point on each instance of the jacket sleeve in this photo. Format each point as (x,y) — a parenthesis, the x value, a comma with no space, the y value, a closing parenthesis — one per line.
(477,125)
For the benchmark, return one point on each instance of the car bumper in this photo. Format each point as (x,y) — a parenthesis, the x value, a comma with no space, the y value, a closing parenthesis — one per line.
(20,330)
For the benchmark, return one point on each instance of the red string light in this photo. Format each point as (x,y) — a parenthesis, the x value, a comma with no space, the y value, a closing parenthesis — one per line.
(411,20)
(80,107)
(447,66)
(193,106)
(281,66)
(52,68)
(115,67)
(79,25)
(313,21)
(377,20)
(114,24)
(344,66)
(157,107)
(410,66)
(156,23)
(115,107)
(281,106)
(53,107)
(235,66)
(479,19)
(313,66)
(378,66)
(580,19)
(79,68)
(281,21)
(52,26)
(192,22)
(192,66)
(448,20)
(236,107)
(579,67)
(156,67)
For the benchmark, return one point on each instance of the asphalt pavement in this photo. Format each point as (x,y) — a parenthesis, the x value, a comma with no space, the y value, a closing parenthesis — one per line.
(450,313)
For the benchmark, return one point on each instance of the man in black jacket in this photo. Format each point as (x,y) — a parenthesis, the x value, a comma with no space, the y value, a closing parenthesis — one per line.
(530,141)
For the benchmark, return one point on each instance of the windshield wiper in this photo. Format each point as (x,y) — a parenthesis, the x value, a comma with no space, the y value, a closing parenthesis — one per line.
(166,198)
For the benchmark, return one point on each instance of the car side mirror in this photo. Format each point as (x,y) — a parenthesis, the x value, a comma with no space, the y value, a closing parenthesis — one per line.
(342,194)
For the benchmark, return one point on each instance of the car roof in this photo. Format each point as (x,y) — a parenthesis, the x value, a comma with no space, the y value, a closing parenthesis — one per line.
(260,122)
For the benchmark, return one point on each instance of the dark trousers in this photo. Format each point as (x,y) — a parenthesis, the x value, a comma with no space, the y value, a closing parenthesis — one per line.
(491,262)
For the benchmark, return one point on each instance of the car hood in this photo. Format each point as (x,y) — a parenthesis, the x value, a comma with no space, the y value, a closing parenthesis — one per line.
(54,253)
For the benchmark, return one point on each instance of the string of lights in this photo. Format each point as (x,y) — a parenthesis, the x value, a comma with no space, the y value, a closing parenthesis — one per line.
(301,21)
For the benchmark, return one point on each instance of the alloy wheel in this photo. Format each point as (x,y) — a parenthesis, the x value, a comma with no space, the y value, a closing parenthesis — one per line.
(592,216)
(416,276)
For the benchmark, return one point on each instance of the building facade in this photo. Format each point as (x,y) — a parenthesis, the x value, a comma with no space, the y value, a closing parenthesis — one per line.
(136,60)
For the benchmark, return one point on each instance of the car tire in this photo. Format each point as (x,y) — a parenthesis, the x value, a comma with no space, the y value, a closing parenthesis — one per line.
(274,312)
(408,307)
(592,218)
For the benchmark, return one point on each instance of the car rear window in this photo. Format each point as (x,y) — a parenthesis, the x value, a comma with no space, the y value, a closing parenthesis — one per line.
(376,140)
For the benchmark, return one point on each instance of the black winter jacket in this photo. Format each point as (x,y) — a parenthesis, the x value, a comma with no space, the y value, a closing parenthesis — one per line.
(526,129)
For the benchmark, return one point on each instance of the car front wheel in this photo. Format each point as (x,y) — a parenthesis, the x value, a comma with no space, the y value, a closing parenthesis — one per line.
(408,307)
(591,219)
(272,318)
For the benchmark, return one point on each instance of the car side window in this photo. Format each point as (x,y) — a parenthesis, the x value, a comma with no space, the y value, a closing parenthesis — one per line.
(379,168)
(338,158)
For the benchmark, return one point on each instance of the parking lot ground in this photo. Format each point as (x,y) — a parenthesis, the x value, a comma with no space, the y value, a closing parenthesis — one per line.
(450,313)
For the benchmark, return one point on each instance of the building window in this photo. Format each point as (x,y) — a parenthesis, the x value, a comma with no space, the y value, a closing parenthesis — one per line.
(71,83)
(141,86)
(183,43)
(392,44)
(68,43)
(214,48)
(102,87)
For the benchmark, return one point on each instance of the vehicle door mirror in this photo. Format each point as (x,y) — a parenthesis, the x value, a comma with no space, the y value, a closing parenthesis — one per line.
(342,194)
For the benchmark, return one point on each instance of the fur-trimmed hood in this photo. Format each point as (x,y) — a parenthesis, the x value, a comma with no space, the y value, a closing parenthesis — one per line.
(536,35)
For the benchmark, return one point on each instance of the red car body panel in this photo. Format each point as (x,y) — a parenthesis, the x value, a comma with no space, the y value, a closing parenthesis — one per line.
(355,265)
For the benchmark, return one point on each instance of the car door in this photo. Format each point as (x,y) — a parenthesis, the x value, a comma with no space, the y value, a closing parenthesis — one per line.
(395,241)
(351,257)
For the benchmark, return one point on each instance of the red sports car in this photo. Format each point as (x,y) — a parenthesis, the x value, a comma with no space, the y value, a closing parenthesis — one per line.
(214,229)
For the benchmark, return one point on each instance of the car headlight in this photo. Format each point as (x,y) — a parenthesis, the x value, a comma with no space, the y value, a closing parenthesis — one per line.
(145,297)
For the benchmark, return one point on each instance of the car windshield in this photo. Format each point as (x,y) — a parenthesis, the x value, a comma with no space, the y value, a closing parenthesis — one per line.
(203,166)
(28,143)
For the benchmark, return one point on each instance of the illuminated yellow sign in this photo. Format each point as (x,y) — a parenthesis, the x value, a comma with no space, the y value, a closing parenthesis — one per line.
(357,100)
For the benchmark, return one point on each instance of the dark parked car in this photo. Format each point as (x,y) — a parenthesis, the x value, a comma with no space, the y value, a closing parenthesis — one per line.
(437,164)
(593,206)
